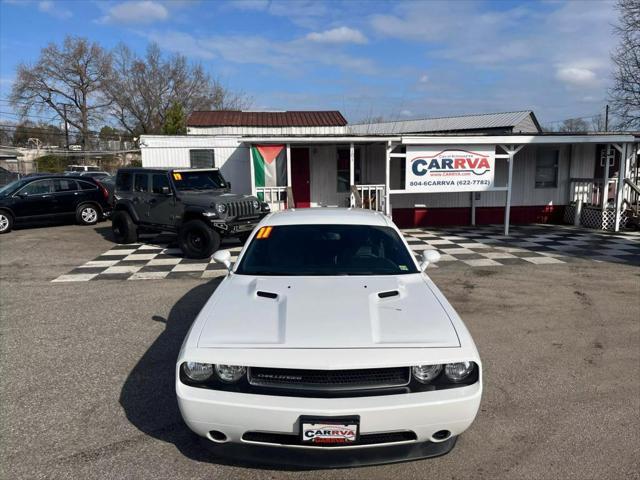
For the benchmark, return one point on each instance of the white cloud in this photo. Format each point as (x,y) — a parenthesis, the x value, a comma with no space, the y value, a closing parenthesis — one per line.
(257,50)
(250,4)
(338,35)
(406,113)
(507,57)
(55,10)
(424,78)
(577,76)
(140,12)
(303,13)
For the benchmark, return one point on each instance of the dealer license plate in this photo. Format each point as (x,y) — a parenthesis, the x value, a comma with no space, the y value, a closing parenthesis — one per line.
(329,431)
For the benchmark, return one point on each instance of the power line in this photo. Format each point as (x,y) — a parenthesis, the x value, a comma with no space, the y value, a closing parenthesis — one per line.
(72,153)
(18,115)
(49,131)
(20,102)
(583,117)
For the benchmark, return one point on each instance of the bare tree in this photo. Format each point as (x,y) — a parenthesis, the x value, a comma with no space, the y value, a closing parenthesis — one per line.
(142,90)
(625,93)
(71,74)
(573,125)
(597,123)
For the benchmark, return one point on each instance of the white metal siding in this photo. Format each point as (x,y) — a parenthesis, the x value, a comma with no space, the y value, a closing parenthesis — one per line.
(231,157)
(583,160)
(526,125)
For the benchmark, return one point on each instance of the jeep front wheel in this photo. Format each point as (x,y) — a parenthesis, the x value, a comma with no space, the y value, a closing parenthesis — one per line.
(123,228)
(197,239)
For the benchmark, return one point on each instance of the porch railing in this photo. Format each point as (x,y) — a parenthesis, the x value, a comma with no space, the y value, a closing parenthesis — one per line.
(590,190)
(278,198)
(370,197)
(274,196)
(631,194)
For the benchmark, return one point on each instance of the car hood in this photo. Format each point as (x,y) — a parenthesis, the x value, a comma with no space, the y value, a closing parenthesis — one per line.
(206,199)
(325,312)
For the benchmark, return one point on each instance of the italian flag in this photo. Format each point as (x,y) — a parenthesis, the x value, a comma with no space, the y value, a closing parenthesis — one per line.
(269,165)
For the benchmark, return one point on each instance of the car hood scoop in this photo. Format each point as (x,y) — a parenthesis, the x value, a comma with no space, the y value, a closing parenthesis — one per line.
(318,312)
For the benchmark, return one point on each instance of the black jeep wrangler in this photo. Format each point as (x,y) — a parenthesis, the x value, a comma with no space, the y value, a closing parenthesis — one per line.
(194,203)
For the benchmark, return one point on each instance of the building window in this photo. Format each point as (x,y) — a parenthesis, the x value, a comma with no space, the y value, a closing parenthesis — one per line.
(202,158)
(547,168)
(343,169)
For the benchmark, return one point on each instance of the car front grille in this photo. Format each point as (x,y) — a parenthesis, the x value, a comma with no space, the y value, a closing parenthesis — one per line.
(365,439)
(329,380)
(240,209)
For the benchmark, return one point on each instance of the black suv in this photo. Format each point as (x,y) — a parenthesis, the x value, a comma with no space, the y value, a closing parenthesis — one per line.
(195,203)
(52,197)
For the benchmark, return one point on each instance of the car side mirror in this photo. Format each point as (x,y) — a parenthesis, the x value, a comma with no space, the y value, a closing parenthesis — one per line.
(429,256)
(166,191)
(224,257)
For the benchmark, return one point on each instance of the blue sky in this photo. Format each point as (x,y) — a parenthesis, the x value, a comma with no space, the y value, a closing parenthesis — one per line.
(395,59)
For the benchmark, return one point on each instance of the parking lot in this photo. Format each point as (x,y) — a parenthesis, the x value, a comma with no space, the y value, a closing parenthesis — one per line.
(87,366)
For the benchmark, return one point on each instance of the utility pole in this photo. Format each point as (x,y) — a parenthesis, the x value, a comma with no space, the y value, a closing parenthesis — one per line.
(66,126)
(606,118)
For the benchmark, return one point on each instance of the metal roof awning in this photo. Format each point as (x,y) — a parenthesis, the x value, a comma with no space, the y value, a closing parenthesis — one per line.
(451,139)
(516,139)
(320,139)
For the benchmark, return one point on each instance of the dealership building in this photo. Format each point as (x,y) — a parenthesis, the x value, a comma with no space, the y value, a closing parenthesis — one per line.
(467,170)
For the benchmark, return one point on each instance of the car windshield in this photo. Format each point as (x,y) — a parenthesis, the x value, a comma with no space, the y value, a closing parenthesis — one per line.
(326,250)
(10,187)
(198,180)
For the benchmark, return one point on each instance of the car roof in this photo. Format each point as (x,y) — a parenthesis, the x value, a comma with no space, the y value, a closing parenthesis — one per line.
(56,175)
(328,216)
(165,169)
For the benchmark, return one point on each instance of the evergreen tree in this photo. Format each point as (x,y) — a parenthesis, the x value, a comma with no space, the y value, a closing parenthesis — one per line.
(175,122)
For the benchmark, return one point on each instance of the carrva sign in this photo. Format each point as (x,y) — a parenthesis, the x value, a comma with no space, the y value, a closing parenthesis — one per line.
(432,169)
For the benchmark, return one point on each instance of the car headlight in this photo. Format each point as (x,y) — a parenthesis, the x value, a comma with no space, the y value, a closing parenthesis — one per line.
(456,372)
(198,372)
(221,208)
(255,204)
(230,373)
(426,373)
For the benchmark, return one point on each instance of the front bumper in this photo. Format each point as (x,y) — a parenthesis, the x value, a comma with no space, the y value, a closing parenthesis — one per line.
(258,455)
(236,227)
(425,413)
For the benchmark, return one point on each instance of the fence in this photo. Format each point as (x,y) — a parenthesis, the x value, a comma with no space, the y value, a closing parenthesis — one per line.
(371,197)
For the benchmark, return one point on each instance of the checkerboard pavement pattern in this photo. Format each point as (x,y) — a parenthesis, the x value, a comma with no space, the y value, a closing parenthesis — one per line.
(158,257)
(540,244)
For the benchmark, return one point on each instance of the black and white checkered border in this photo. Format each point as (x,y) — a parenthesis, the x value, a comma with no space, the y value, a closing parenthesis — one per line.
(484,246)
(152,261)
(487,246)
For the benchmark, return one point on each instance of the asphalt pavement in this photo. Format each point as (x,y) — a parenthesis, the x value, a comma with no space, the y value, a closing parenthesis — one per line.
(86,371)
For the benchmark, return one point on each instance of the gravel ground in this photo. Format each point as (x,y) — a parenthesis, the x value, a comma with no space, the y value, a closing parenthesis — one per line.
(87,371)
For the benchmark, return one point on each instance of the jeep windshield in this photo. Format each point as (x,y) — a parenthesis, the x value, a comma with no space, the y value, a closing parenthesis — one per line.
(327,250)
(198,180)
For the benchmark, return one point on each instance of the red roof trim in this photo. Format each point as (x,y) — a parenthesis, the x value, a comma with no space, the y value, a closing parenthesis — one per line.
(236,118)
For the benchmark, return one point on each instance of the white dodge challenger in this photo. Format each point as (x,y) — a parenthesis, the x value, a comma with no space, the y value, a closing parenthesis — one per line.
(327,345)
